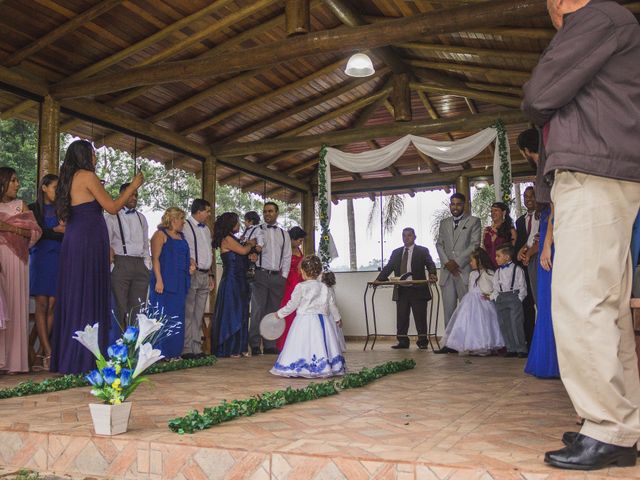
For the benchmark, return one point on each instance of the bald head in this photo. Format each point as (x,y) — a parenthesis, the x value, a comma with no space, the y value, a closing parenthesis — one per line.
(558,8)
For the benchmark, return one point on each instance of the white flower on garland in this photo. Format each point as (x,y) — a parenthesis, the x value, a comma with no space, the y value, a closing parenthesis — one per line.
(89,338)
(147,327)
(147,356)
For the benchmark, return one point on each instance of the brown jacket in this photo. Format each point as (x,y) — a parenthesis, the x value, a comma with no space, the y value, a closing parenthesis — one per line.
(587,84)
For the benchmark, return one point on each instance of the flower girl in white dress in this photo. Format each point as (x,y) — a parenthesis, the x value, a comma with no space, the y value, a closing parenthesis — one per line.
(312,348)
(474,325)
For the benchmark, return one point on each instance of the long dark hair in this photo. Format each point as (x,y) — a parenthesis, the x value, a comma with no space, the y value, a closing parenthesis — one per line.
(505,229)
(47,180)
(5,177)
(223,227)
(483,261)
(79,156)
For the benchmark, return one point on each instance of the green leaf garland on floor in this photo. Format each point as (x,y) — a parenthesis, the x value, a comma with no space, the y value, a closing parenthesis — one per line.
(77,380)
(227,411)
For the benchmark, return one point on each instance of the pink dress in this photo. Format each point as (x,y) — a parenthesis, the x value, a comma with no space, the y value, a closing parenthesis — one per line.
(14,284)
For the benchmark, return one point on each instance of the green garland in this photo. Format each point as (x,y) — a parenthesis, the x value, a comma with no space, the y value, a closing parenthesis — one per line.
(323,204)
(505,167)
(227,411)
(77,380)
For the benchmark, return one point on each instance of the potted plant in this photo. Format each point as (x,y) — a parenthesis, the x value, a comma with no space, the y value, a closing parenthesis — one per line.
(117,377)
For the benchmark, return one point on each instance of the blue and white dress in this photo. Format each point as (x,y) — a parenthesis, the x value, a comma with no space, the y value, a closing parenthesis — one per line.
(312,349)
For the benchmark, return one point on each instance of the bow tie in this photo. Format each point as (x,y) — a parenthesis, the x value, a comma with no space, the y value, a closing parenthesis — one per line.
(506,265)
(201,225)
(129,211)
(272,226)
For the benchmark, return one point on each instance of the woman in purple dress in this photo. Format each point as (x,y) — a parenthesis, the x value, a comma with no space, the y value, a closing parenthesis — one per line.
(83,281)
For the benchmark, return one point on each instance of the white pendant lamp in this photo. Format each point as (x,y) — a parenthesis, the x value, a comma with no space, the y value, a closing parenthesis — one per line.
(359,65)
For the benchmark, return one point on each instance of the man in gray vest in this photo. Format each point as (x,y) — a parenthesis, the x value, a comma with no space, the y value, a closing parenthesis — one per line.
(272,270)
(198,236)
(458,236)
(130,258)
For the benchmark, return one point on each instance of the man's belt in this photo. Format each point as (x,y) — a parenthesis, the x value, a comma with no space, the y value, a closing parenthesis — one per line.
(203,270)
(268,272)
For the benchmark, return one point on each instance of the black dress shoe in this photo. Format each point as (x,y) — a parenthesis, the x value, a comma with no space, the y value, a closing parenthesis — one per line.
(510,355)
(523,354)
(399,346)
(270,351)
(188,356)
(423,346)
(255,351)
(445,350)
(586,453)
(569,437)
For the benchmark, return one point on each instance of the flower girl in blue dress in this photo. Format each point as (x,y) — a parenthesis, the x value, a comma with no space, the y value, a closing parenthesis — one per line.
(312,348)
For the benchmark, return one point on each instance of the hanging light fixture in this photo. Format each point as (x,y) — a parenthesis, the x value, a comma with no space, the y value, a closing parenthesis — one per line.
(359,65)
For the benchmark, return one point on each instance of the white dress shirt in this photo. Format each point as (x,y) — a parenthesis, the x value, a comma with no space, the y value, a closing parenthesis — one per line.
(535,227)
(409,257)
(253,233)
(502,281)
(275,255)
(136,234)
(204,254)
(311,297)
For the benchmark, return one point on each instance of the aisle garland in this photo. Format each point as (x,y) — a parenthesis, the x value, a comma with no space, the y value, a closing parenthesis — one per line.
(78,380)
(227,411)
(323,206)
(505,167)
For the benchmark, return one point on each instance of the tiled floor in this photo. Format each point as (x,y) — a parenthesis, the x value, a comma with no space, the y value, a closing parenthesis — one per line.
(450,418)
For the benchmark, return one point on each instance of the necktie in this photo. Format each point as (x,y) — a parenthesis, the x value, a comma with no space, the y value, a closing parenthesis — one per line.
(201,225)
(405,261)
(455,223)
(129,211)
(530,215)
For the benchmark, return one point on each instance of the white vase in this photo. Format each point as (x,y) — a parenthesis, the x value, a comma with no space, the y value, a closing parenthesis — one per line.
(110,419)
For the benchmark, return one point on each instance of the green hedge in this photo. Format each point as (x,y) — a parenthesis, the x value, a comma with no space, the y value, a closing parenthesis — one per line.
(227,411)
(77,380)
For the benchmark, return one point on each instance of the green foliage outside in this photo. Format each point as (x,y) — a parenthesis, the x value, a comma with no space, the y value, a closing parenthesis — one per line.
(19,150)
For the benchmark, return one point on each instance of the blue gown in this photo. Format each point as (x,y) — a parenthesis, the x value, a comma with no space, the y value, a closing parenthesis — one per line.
(232,307)
(543,359)
(174,266)
(44,259)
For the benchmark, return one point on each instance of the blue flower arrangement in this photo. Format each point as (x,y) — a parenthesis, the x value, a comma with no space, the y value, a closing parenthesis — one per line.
(117,377)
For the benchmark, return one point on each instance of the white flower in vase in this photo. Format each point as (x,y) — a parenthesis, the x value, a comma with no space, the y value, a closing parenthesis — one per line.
(147,356)
(147,327)
(89,338)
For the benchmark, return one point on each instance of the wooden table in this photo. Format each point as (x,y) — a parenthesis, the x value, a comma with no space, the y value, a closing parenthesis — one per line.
(432,318)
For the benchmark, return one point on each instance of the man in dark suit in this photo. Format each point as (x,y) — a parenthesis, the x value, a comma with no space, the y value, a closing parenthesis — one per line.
(409,262)
(526,248)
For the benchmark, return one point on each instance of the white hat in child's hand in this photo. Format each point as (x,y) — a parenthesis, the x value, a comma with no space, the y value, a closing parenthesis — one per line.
(271,327)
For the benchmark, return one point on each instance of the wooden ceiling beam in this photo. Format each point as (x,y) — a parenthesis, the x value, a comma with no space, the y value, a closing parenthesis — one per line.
(492,87)
(485,53)
(514,75)
(60,31)
(465,123)
(340,40)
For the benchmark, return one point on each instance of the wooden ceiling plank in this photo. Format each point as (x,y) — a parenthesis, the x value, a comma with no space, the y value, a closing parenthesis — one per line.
(504,100)
(472,69)
(340,40)
(67,27)
(476,52)
(488,87)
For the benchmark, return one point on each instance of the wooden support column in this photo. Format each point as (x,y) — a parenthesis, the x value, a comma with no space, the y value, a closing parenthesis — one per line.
(308,222)
(209,193)
(298,17)
(462,186)
(401,98)
(48,137)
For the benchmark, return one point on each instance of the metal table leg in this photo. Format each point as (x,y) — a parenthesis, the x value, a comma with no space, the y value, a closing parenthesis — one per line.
(366,316)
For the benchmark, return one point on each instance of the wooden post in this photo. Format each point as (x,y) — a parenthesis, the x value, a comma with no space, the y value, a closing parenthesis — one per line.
(48,137)
(209,194)
(401,98)
(462,186)
(308,222)
(298,18)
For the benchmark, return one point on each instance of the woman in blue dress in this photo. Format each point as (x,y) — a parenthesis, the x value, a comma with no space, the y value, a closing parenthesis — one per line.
(231,317)
(44,258)
(543,359)
(170,279)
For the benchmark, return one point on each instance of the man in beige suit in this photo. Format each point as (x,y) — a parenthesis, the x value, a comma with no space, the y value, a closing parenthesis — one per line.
(585,91)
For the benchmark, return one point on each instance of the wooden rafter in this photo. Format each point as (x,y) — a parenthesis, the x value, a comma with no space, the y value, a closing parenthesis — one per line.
(486,53)
(338,40)
(514,75)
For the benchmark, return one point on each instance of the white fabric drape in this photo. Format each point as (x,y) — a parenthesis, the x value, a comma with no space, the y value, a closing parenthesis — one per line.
(453,153)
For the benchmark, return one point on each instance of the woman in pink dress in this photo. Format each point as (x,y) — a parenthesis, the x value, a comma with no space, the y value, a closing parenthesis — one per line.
(297,236)
(500,231)
(18,231)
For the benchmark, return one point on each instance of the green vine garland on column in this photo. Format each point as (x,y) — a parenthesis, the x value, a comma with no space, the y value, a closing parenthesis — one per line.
(323,205)
(505,167)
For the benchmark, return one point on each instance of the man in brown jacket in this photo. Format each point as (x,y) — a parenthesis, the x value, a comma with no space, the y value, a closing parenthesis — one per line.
(585,91)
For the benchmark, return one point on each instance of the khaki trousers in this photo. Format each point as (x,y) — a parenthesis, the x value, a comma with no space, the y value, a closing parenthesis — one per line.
(591,287)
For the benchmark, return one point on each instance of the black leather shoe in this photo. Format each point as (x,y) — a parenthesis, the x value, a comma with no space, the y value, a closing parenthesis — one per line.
(270,351)
(523,354)
(569,437)
(188,356)
(587,453)
(510,355)
(255,351)
(423,346)
(399,346)
(445,350)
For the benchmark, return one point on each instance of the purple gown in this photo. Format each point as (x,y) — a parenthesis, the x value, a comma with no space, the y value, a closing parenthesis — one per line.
(83,288)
